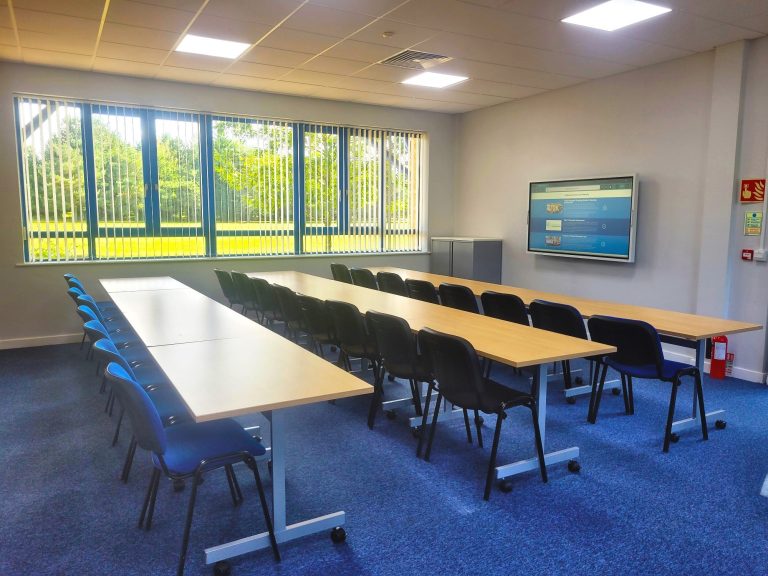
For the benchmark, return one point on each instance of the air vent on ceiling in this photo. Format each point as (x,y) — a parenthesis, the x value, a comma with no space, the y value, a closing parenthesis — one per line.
(416,60)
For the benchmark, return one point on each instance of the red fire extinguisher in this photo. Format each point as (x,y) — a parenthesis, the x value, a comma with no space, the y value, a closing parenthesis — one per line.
(719,354)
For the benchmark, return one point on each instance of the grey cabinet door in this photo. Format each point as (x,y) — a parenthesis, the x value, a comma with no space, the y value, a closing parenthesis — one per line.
(440,259)
(464,260)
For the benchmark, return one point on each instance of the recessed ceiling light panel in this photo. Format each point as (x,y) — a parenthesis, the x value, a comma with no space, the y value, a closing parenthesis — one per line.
(192,44)
(434,80)
(615,14)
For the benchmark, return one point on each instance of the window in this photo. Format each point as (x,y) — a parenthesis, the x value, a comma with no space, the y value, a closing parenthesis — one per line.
(111,182)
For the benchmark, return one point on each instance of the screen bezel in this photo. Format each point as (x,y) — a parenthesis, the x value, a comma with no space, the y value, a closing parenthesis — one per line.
(628,259)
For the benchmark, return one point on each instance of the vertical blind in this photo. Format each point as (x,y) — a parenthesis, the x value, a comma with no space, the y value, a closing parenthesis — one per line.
(113,182)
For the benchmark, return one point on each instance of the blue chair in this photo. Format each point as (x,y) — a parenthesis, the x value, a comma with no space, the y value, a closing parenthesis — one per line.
(639,355)
(74,292)
(131,348)
(458,296)
(105,316)
(188,451)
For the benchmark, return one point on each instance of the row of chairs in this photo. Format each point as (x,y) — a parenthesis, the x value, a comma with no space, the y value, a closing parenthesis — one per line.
(639,353)
(180,449)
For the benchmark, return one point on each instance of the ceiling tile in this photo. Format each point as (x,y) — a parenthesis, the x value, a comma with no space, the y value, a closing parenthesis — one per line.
(759,23)
(363,51)
(333,65)
(257,70)
(235,30)
(403,35)
(91,9)
(110,50)
(56,23)
(554,10)
(9,53)
(317,78)
(65,44)
(499,89)
(7,37)
(186,75)
(507,74)
(118,66)
(50,58)
(141,14)
(138,36)
(315,18)
(275,57)
(731,11)
(197,62)
(5,17)
(262,11)
(186,5)
(294,88)
(386,73)
(298,40)
(243,82)
(370,7)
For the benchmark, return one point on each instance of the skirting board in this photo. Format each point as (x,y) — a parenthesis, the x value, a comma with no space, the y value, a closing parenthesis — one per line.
(40,341)
(737,372)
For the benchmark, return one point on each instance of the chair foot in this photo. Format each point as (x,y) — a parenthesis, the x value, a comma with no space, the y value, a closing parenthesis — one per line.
(338,535)
(574,466)
(720,424)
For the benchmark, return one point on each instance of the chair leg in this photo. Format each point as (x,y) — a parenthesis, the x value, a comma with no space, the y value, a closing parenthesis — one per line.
(434,425)
(416,396)
(537,439)
(234,486)
(593,383)
(702,413)
(593,417)
(625,393)
(153,481)
(188,523)
(466,425)
(82,341)
(566,367)
(267,518)
(378,394)
(671,415)
(494,448)
(117,428)
(488,366)
(128,460)
(479,427)
(424,413)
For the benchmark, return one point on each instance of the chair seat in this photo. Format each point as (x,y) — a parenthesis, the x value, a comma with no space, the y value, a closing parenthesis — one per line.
(495,396)
(188,444)
(420,370)
(669,369)
(360,350)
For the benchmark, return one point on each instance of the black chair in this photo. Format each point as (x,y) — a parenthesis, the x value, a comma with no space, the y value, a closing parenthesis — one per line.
(507,307)
(563,319)
(363,277)
(267,302)
(421,290)
(341,273)
(459,380)
(318,323)
(639,355)
(246,293)
(227,287)
(391,283)
(459,297)
(290,311)
(354,339)
(400,358)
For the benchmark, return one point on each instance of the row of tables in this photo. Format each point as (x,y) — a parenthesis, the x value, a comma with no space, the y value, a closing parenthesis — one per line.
(224,364)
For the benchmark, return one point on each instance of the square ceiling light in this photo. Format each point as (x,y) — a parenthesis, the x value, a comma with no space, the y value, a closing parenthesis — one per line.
(615,14)
(192,44)
(434,80)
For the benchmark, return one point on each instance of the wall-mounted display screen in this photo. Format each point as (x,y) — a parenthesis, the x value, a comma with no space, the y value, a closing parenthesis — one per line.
(586,218)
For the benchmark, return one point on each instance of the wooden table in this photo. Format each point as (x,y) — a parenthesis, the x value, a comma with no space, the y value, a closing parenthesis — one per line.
(113,285)
(505,342)
(679,328)
(225,365)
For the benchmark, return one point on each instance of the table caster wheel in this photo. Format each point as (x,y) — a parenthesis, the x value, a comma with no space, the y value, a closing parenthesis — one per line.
(391,414)
(505,486)
(333,348)
(178,485)
(720,424)
(222,568)
(416,431)
(674,437)
(338,535)
(390,378)
(269,467)
(571,400)
(578,381)
(615,391)
(574,466)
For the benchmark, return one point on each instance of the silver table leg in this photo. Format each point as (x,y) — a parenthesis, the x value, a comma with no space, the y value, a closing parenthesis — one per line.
(693,421)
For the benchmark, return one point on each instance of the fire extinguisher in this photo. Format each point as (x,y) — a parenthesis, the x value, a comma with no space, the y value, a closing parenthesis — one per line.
(719,354)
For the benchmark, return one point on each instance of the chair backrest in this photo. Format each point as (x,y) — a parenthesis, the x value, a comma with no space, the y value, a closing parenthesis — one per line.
(289,305)
(87,314)
(363,277)
(317,320)
(227,286)
(455,366)
(348,323)
(74,293)
(459,297)
(75,283)
(396,342)
(145,421)
(106,350)
(341,273)
(87,300)
(509,307)
(265,294)
(637,343)
(556,317)
(246,294)
(421,290)
(391,283)
(95,331)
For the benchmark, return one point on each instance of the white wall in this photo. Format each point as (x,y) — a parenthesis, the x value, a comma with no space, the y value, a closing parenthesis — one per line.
(654,121)
(34,308)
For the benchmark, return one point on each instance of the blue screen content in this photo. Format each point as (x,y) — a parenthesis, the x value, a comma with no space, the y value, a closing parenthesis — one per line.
(585,217)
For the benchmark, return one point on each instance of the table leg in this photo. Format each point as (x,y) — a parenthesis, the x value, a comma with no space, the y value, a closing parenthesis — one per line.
(693,421)
(550,458)
(283,532)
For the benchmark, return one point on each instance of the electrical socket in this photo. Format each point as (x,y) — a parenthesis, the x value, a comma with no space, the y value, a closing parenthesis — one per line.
(761,255)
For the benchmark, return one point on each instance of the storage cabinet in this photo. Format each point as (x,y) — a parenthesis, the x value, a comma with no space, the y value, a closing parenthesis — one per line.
(470,258)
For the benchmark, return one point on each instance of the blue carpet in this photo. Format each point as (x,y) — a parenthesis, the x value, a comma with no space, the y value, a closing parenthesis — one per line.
(631,509)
